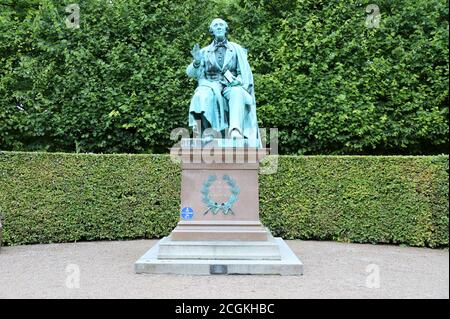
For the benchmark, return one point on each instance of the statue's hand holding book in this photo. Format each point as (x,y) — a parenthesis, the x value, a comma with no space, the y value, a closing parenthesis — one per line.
(231,80)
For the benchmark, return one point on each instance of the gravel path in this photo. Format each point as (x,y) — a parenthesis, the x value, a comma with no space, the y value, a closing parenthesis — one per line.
(332,270)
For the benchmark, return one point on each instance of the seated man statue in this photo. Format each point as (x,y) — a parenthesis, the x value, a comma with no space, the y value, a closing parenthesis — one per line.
(224,99)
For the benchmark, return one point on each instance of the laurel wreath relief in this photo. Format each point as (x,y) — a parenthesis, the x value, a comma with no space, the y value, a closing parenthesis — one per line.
(215,207)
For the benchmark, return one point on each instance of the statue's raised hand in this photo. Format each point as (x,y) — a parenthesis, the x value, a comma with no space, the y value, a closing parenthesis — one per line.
(196,53)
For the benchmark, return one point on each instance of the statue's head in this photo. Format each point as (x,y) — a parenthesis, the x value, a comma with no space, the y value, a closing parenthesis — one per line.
(218,28)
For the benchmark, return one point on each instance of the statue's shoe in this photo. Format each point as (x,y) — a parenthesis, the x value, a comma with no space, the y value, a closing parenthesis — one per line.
(207,139)
(235,134)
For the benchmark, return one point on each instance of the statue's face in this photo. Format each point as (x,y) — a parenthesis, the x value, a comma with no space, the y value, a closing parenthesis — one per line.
(218,28)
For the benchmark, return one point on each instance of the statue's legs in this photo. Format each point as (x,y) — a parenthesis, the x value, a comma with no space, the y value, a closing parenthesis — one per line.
(236,104)
(202,123)
(202,108)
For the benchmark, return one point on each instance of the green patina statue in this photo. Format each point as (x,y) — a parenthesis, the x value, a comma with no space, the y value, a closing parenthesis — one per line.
(224,101)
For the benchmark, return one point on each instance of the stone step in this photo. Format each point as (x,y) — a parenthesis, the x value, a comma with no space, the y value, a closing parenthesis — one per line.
(289,264)
(239,250)
(218,233)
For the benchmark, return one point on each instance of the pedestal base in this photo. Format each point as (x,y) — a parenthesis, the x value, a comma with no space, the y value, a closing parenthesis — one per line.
(227,258)
(219,231)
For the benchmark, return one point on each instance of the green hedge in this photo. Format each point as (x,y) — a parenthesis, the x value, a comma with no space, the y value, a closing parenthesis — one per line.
(57,197)
(326,81)
(367,199)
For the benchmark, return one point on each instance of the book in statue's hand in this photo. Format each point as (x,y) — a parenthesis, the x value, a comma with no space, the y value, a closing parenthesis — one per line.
(228,76)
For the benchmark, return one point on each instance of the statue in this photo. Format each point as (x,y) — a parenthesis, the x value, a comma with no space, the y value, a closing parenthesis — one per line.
(224,100)
(225,221)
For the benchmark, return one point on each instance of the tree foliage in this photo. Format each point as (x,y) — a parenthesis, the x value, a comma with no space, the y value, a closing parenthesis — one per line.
(329,83)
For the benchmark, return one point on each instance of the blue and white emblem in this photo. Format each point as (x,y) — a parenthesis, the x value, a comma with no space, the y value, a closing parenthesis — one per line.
(187,213)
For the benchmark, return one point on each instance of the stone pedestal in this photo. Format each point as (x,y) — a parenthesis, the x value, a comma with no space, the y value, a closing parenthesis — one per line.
(219,229)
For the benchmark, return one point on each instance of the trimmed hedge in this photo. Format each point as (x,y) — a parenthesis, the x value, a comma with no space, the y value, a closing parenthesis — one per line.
(54,197)
(57,197)
(364,199)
